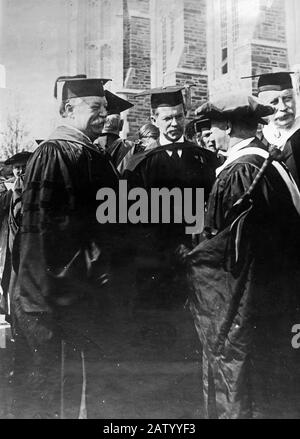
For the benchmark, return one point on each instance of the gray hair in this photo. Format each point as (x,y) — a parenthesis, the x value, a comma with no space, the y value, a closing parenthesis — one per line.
(72,102)
(148,130)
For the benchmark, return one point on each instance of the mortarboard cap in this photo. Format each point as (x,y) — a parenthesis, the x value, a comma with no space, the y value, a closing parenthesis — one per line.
(115,104)
(80,86)
(197,126)
(20,157)
(164,96)
(273,81)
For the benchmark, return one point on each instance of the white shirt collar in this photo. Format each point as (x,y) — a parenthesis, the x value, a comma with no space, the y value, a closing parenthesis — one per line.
(278,137)
(232,151)
(164,141)
(241,144)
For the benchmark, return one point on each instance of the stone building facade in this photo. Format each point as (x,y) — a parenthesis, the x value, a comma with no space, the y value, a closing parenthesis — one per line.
(137,61)
(204,45)
(244,38)
(178,43)
(292,8)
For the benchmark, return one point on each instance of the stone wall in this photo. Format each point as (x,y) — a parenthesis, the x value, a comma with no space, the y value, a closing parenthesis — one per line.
(137,61)
(126,42)
(256,42)
(139,114)
(138,72)
(269,49)
(194,54)
(292,24)
(191,69)
(267,59)
(271,22)
(198,90)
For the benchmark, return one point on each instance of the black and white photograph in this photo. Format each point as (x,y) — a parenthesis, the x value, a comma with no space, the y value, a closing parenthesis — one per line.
(149,212)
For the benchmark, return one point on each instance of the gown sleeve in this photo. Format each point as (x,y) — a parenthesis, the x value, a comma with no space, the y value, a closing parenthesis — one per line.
(52,233)
(229,187)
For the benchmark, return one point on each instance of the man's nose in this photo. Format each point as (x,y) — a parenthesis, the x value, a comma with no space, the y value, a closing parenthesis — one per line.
(103,112)
(174,122)
(281,105)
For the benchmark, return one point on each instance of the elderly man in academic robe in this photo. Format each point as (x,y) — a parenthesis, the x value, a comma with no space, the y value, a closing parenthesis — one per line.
(62,247)
(245,278)
(283,129)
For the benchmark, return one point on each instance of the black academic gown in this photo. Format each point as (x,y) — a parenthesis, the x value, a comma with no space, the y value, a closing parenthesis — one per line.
(291,156)
(245,297)
(117,148)
(10,250)
(5,198)
(291,152)
(177,165)
(164,167)
(62,253)
(59,226)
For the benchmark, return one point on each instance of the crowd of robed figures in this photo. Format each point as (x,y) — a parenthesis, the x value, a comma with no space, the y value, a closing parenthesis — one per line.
(239,277)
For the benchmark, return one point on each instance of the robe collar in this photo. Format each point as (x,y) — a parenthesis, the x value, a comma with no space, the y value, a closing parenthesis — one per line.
(71,134)
(233,151)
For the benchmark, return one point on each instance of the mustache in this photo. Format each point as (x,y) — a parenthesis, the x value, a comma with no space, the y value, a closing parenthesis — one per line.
(286,111)
(98,120)
(284,114)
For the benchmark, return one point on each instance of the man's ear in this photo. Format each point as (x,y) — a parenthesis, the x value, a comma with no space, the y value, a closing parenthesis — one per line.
(153,119)
(69,110)
(229,127)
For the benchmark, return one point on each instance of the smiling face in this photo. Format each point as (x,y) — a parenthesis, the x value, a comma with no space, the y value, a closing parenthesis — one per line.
(170,121)
(88,115)
(285,106)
